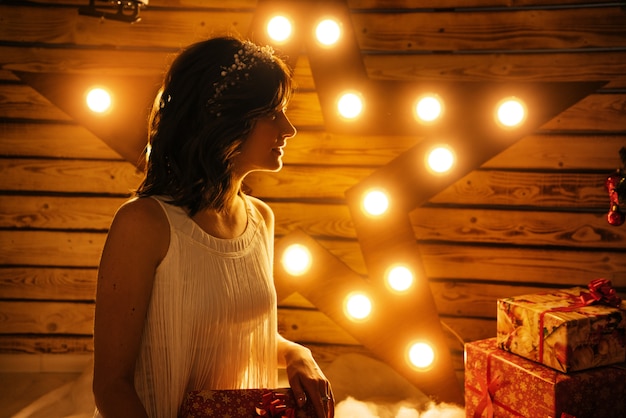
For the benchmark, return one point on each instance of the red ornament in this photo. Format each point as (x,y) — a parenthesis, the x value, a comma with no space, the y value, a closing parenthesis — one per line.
(612,181)
(615,216)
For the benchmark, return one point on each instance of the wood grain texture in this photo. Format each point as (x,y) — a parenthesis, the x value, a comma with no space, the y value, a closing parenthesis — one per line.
(52,140)
(580,65)
(412,30)
(70,176)
(48,283)
(58,213)
(46,318)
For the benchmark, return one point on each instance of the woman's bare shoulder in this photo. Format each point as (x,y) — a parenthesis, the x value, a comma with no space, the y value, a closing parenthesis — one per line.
(142,219)
(142,211)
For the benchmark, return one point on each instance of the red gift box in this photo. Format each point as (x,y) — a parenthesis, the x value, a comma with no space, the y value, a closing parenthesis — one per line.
(502,384)
(567,329)
(244,403)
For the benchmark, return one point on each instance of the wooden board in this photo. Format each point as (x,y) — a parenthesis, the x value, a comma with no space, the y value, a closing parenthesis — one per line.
(412,30)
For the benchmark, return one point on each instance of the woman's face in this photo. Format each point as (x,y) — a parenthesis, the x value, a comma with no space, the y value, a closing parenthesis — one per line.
(262,150)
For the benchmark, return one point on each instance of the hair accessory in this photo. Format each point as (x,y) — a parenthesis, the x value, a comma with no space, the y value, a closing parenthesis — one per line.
(164,101)
(249,56)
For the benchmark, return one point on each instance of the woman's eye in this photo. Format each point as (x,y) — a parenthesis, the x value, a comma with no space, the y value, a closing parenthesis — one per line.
(275,115)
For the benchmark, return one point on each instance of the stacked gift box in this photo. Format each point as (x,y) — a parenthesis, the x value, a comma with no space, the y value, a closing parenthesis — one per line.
(558,354)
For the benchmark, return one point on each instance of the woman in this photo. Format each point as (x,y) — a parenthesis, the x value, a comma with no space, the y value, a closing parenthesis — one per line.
(185,297)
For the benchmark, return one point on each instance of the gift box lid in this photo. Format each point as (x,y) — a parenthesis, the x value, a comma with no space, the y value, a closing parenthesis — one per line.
(564,298)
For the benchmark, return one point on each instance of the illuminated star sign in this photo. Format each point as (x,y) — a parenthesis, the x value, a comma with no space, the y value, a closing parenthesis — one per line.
(470,133)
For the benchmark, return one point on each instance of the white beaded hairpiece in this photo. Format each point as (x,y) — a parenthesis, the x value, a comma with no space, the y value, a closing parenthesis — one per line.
(249,56)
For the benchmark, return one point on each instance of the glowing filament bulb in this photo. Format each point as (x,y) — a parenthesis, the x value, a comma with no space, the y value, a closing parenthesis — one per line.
(328,32)
(296,259)
(350,105)
(511,112)
(279,28)
(400,278)
(98,100)
(440,159)
(375,202)
(428,108)
(421,355)
(358,306)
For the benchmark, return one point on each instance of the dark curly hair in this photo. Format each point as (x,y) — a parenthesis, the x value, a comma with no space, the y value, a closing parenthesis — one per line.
(198,122)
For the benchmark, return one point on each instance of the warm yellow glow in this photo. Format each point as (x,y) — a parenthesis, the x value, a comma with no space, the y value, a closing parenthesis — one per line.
(328,32)
(429,108)
(375,202)
(440,159)
(296,259)
(511,112)
(358,306)
(399,278)
(98,100)
(350,105)
(421,355)
(279,28)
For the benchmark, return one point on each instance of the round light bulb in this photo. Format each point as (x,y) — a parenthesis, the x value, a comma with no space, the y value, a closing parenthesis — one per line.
(350,105)
(428,108)
(375,202)
(421,355)
(440,159)
(297,259)
(511,112)
(279,28)
(98,100)
(358,306)
(328,32)
(399,278)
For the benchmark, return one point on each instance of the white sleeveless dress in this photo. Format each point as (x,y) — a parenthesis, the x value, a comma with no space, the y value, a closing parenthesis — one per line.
(211,322)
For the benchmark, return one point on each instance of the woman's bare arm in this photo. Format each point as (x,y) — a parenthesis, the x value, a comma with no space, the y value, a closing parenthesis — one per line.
(137,241)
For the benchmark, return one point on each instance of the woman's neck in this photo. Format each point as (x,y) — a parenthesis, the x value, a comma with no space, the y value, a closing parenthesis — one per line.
(228,223)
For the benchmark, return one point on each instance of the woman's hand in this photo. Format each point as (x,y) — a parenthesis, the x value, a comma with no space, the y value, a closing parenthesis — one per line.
(307,381)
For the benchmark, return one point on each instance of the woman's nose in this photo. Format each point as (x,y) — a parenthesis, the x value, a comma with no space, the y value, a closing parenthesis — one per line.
(288,129)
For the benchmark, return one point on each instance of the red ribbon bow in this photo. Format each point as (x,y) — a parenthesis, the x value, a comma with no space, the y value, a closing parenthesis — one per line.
(601,291)
(275,405)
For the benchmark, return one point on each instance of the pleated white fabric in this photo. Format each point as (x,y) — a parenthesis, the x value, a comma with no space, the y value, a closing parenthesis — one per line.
(211,323)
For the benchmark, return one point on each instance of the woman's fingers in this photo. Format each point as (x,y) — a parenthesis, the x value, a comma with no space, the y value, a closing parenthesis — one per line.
(320,395)
(328,402)
(298,393)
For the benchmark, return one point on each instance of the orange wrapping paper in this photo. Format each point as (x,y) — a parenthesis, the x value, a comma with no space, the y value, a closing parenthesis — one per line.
(553,329)
(523,388)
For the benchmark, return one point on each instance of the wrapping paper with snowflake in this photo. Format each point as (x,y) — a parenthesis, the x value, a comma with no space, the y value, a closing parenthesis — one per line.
(560,329)
(243,403)
(501,384)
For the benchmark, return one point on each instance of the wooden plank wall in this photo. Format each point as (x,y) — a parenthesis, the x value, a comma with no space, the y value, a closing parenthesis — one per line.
(533,217)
